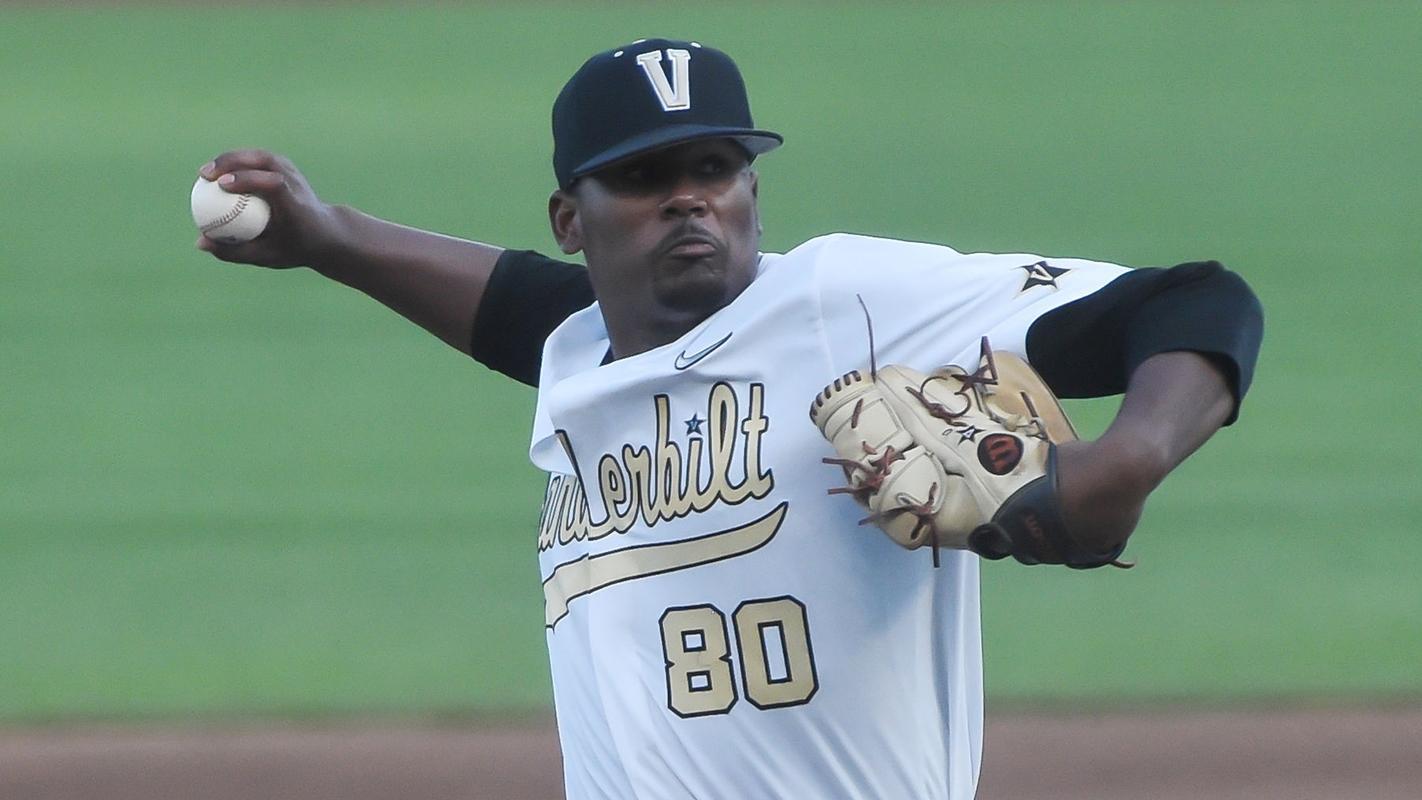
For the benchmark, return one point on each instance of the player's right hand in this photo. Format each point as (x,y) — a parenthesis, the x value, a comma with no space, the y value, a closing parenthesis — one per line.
(302,229)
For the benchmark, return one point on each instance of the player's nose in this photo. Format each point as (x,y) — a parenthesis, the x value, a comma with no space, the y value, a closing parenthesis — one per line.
(684,204)
(686,198)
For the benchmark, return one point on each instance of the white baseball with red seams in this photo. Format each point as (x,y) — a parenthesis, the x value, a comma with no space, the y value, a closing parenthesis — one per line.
(225,217)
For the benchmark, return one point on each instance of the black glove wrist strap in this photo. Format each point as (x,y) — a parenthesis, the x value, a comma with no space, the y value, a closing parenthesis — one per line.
(1029,527)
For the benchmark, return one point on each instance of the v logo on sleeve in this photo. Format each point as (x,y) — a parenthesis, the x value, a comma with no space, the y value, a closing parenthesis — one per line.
(1041,274)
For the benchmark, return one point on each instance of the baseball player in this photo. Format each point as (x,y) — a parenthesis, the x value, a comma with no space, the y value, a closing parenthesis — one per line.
(718,625)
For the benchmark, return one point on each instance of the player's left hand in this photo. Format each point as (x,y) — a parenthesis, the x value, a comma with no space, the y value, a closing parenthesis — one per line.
(962,459)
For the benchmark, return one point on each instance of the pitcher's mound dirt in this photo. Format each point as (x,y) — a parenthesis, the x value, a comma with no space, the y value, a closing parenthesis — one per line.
(1243,754)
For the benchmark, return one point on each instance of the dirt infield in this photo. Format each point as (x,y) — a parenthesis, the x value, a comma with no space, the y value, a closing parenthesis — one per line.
(1336,753)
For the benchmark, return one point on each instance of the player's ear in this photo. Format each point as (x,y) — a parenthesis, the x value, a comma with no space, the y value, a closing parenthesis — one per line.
(563,218)
(755,195)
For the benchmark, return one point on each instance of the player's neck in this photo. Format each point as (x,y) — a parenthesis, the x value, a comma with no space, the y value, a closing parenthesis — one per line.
(641,321)
(630,340)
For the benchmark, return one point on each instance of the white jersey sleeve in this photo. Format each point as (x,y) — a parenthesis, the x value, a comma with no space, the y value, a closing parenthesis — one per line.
(930,304)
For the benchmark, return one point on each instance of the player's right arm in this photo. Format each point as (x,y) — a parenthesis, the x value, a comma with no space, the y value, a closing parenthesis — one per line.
(439,282)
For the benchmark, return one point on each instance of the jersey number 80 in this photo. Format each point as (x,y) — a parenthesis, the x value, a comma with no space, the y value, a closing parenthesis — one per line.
(777,664)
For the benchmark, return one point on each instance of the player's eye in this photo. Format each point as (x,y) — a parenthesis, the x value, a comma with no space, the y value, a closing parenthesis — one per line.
(636,172)
(713,165)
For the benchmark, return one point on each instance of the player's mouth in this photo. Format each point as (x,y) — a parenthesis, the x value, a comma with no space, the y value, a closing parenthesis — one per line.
(691,245)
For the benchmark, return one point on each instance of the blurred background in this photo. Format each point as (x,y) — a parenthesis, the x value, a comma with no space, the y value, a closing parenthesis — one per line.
(234,493)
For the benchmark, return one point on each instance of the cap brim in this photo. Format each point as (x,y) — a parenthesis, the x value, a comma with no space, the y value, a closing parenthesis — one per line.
(754,141)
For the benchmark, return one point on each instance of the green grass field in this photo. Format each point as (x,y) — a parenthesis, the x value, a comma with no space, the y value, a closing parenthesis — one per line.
(230,491)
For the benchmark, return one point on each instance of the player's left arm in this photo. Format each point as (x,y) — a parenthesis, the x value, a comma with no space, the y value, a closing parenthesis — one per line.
(1182,343)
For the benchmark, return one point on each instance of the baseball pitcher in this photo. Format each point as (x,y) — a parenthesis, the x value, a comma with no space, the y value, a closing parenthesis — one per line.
(771,476)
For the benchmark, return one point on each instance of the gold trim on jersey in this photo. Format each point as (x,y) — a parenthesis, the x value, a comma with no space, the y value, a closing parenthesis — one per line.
(590,573)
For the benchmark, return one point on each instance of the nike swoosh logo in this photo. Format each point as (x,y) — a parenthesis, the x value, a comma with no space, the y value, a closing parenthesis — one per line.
(587,574)
(684,361)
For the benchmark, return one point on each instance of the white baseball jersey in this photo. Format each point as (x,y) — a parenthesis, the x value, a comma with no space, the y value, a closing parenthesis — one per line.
(718,626)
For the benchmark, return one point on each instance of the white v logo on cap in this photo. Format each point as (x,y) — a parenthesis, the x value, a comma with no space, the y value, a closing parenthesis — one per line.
(672,99)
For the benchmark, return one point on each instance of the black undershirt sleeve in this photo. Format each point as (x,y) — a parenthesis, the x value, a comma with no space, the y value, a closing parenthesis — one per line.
(527,296)
(1090,347)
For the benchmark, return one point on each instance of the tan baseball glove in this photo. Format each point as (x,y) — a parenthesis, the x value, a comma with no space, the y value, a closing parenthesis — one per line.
(956,459)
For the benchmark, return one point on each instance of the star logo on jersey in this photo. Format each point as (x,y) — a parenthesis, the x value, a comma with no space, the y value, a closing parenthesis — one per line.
(968,434)
(684,361)
(693,425)
(1041,274)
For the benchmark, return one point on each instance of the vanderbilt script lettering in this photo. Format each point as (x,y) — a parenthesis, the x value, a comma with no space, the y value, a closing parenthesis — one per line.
(660,482)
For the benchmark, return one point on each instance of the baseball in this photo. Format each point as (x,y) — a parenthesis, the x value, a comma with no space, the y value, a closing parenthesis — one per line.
(228,218)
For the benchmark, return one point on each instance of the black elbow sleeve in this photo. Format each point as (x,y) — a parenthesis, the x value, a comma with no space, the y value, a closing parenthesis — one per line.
(527,296)
(1090,347)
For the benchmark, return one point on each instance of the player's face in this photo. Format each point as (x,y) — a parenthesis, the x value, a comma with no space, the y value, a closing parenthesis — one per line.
(670,237)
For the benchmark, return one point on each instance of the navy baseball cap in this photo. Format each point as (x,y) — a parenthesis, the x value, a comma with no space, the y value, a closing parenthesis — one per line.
(645,96)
